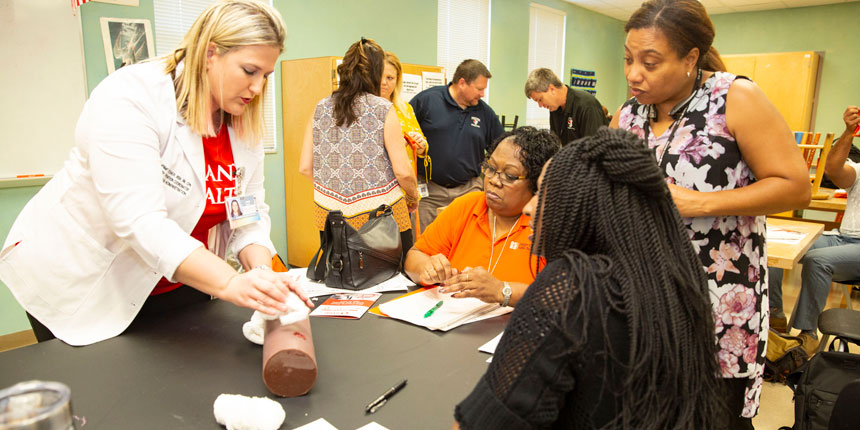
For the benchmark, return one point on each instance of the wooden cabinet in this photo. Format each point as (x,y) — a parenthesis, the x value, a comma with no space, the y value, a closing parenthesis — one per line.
(304,83)
(789,79)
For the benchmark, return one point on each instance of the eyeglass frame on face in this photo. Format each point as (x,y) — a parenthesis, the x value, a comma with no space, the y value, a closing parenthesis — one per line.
(504,177)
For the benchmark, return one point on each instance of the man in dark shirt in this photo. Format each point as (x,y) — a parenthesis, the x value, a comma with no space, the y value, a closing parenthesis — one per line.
(460,127)
(573,113)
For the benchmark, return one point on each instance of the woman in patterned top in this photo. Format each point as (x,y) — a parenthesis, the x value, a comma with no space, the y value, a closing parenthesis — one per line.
(729,159)
(354,151)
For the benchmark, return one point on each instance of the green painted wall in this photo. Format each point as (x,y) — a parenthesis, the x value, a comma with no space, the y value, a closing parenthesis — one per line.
(12,200)
(593,41)
(829,28)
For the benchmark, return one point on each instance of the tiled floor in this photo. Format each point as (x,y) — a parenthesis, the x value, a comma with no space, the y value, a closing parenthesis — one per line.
(777,405)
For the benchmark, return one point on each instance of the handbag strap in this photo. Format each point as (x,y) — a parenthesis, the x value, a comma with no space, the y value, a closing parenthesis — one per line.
(338,245)
(844,344)
(317,268)
(381,211)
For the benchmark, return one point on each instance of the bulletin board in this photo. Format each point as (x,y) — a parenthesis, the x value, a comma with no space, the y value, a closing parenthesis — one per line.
(43,85)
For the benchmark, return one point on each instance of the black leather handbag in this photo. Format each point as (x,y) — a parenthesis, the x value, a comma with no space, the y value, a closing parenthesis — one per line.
(357,259)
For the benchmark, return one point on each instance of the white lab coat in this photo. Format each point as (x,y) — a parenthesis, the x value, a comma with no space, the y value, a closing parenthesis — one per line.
(86,251)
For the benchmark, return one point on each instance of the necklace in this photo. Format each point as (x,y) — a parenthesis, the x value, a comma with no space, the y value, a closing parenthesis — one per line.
(490,265)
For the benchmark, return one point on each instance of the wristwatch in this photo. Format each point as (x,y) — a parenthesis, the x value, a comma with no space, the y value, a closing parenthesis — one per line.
(506,292)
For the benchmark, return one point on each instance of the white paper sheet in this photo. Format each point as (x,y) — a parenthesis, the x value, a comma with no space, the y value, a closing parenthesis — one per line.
(320,424)
(490,347)
(411,86)
(786,236)
(372,426)
(316,289)
(453,312)
(432,79)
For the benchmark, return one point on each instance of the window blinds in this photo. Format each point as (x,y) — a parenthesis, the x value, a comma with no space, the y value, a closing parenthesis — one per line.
(546,49)
(463,33)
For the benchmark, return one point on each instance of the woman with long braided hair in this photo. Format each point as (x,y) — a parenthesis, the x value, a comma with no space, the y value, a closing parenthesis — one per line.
(616,331)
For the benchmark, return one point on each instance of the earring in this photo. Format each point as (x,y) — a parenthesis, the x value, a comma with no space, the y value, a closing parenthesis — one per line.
(688,74)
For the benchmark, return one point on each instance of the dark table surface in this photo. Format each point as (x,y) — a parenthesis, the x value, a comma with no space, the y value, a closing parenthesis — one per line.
(167,372)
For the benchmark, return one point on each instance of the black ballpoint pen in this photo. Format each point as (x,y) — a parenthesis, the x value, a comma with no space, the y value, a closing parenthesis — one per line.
(376,404)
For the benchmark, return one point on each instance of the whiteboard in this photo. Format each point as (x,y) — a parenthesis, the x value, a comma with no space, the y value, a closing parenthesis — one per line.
(43,85)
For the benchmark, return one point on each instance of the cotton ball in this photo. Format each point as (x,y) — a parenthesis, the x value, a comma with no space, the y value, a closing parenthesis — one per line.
(238,412)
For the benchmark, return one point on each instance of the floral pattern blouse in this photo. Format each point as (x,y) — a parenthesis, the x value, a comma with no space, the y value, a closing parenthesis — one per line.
(704,156)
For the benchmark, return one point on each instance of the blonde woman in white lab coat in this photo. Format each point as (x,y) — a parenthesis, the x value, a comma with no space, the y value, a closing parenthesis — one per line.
(139,206)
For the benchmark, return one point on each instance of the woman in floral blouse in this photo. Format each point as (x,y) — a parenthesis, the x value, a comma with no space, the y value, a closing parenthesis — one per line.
(729,159)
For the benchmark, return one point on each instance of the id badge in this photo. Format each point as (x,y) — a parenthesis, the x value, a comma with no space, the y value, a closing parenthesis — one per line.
(241,210)
(423,191)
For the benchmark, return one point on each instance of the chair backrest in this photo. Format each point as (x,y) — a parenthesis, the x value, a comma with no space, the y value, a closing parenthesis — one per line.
(846,414)
(510,126)
(815,153)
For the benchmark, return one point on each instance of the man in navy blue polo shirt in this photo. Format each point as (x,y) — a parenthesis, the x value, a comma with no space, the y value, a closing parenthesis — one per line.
(460,127)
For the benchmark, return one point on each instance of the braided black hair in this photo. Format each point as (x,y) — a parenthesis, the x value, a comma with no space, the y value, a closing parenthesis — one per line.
(536,147)
(606,196)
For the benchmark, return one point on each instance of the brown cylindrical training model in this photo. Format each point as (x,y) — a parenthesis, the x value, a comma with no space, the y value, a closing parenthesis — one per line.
(289,361)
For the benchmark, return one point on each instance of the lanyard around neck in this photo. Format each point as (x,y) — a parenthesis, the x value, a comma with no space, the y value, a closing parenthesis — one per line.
(490,266)
(676,120)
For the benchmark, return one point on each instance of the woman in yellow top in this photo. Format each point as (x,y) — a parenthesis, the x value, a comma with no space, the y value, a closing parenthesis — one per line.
(389,89)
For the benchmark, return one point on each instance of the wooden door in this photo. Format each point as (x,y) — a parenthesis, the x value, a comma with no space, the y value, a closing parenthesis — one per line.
(303,84)
(788,79)
(741,65)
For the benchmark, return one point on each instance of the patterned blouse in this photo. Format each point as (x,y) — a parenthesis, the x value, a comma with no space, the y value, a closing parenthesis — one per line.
(704,156)
(352,171)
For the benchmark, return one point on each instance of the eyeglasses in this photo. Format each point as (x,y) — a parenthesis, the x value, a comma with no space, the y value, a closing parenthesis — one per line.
(505,178)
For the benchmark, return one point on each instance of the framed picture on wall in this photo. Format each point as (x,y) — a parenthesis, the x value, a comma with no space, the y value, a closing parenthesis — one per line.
(127,41)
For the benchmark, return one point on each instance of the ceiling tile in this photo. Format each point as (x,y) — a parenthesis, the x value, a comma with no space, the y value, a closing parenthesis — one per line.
(587,3)
(622,9)
(621,15)
(757,7)
(716,10)
(801,3)
(735,3)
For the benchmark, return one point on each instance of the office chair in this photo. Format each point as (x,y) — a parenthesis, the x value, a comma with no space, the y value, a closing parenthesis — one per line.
(840,322)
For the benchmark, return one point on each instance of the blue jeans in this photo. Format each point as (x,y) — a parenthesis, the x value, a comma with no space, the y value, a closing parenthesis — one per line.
(831,258)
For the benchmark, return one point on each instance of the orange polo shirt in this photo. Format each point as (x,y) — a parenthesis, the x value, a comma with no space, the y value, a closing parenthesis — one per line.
(462,233)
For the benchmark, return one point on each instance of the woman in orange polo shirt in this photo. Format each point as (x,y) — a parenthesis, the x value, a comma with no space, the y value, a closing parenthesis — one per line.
(479,246)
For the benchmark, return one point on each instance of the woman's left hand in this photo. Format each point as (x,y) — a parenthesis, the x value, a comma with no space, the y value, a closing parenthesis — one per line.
(474,282)
(689,203)
(420,142)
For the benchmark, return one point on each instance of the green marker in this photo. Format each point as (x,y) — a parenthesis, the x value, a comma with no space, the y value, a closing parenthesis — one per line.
(433,309)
